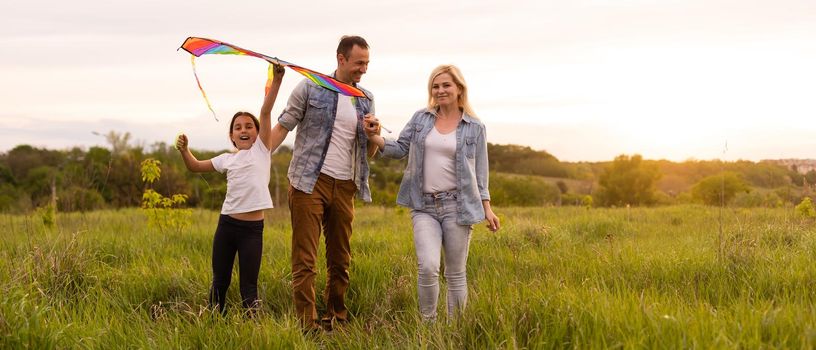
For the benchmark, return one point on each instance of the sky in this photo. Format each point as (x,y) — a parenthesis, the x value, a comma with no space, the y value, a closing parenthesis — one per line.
(585,80)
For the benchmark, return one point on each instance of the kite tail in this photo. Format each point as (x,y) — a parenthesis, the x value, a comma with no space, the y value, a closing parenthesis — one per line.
(269,75)
(192,60)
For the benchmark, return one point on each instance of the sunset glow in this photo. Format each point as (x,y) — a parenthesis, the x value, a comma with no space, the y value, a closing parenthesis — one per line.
(583,80)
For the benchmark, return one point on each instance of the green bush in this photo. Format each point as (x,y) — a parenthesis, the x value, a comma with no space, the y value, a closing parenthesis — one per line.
(521,190)
(719,189)
(757,198)
(628,181)
(587,201)
(573,199)
(76,198)
(805,208)
(789,194)
(14,199)
(163,212)
(214,197)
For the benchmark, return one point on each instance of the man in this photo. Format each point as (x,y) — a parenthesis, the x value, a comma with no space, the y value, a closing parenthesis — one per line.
(329,165)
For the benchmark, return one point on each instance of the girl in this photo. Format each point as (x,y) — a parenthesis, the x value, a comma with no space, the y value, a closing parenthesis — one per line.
(240,226)
(445,184)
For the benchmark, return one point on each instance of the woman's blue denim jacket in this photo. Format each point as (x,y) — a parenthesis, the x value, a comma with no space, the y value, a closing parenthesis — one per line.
(471,164)
(312,109)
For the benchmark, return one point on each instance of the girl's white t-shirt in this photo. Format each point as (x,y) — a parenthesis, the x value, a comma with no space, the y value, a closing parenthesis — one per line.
(247,178)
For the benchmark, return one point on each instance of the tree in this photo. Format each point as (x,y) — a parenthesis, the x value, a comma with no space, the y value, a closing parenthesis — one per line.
(524,160)
(76,198)
(810,177)
(38,183)
(13,199)
(522,190)
(120,143)
(21,159)
(628,180)
(6,177)
(719,189)
(562,186)
(162,212)
(763,174)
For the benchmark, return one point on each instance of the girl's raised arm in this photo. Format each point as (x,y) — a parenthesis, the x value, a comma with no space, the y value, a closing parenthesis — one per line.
(272,138)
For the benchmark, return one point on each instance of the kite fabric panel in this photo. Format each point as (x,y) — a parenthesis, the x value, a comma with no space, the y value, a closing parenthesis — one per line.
(201,46)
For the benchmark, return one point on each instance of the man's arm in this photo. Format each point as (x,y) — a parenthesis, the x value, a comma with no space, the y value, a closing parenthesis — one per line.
(276,136)
(295,108)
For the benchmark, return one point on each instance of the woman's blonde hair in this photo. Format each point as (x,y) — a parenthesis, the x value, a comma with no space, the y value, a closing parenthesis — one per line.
(459,80)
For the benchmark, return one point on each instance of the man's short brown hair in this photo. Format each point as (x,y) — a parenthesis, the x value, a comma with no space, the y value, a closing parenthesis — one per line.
(347,42)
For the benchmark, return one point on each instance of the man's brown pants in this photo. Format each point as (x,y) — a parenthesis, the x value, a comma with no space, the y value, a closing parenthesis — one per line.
(330,206)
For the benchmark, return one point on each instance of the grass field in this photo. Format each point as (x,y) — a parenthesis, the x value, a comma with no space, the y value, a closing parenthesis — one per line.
(551,278)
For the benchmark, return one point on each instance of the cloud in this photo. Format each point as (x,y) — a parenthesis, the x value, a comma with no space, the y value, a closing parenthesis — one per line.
(588,69)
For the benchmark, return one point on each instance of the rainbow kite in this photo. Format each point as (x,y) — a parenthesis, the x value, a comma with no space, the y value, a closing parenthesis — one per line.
(202,46)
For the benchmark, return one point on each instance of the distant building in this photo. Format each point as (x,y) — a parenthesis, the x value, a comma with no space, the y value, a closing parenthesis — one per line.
(802,166)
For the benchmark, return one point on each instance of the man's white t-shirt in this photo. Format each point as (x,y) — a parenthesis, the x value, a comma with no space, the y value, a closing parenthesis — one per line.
(247,178)
(339,156)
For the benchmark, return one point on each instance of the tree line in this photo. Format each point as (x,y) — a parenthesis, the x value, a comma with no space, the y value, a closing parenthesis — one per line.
(109,177)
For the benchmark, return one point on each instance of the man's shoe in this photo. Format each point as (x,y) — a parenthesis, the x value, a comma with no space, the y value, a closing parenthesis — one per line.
(312,332)
(327,325)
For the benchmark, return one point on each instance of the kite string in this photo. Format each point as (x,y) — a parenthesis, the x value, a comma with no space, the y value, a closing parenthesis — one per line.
(192,60)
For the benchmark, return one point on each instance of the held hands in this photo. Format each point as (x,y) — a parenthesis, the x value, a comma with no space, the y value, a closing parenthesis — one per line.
(371,125)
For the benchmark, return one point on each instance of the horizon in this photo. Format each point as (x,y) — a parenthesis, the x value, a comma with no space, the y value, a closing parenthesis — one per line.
(150,148)
(584,81)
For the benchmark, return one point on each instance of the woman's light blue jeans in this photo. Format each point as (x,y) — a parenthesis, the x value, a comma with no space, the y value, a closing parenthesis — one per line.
(435,228)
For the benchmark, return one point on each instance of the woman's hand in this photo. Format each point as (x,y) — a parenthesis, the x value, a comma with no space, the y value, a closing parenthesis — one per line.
(492,220)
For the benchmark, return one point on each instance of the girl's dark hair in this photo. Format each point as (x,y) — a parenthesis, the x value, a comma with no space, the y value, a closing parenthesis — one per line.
(232,123)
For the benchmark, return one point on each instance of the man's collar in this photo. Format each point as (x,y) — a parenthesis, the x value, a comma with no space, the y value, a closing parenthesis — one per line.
(334,75)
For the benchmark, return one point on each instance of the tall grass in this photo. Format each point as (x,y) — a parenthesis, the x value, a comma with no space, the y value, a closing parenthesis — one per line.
(552,278)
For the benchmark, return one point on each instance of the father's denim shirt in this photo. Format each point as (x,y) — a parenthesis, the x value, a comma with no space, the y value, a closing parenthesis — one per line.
(312,109)
(471,164)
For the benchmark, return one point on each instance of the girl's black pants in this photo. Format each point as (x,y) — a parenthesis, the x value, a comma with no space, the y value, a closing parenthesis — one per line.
(242,237)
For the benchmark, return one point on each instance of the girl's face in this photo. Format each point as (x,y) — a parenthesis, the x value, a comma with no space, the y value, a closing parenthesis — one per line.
(243,132)
(444,90)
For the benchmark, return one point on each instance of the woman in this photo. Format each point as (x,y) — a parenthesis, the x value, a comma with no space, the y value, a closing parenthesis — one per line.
(444,184)
(240,226)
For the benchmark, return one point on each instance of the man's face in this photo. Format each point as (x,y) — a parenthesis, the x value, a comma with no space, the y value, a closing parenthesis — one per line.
(352,68)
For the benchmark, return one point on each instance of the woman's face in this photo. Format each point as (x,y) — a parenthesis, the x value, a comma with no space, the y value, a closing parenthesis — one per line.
(243,132)
(444,90)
